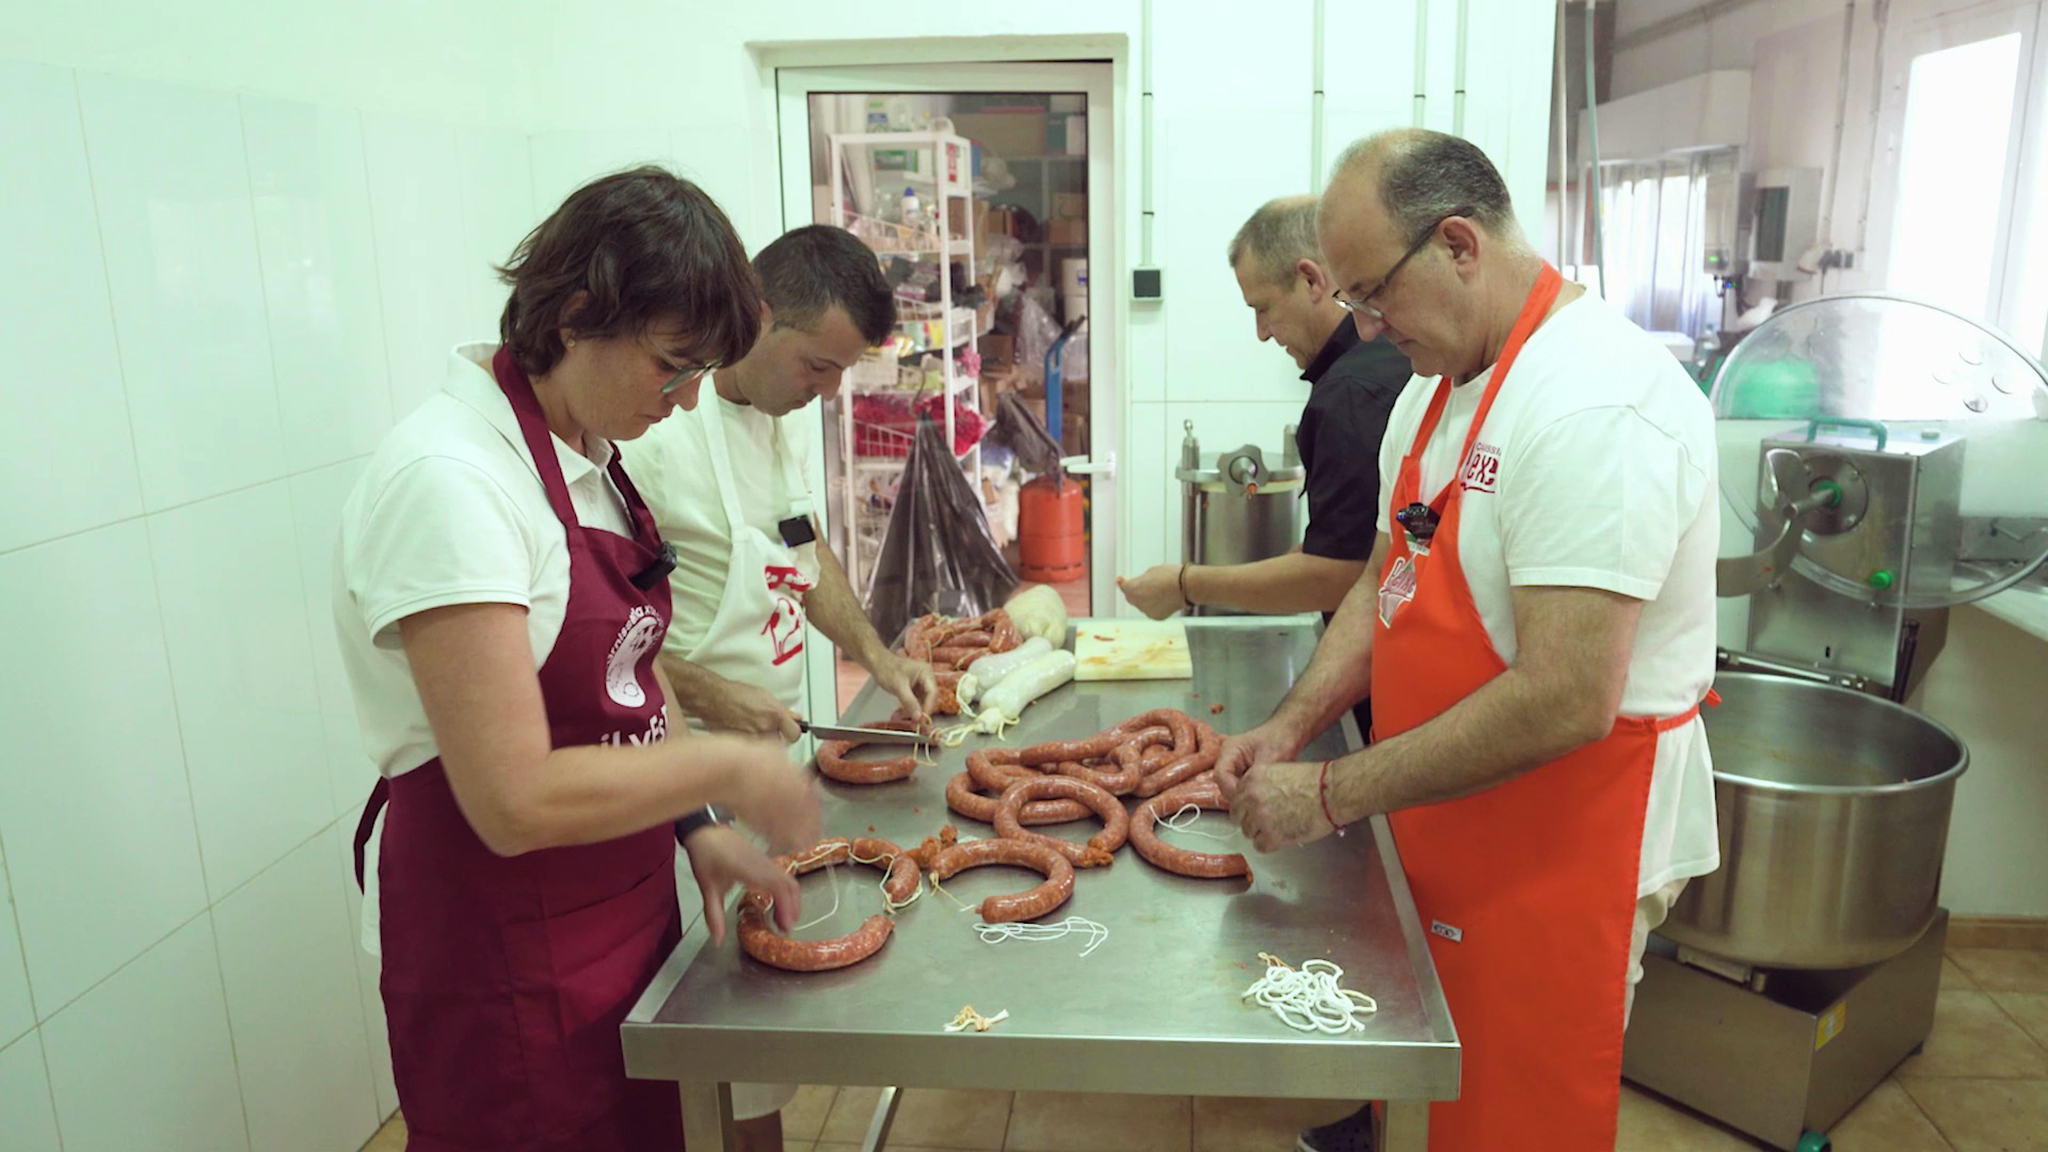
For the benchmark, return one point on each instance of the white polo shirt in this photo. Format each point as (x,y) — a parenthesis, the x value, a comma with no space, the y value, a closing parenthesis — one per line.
(451,511)
(1606,478)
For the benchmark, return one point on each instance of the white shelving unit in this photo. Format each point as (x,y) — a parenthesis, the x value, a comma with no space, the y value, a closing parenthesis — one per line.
(942,173)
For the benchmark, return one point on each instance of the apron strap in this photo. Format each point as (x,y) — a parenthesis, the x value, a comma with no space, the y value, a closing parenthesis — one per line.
(721,461)
(380,794)
(540,442)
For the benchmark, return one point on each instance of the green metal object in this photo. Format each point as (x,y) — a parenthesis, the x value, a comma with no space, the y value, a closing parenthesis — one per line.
(1783,389)
(1874,427)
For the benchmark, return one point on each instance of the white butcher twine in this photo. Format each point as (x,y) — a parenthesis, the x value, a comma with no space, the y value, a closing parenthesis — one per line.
(1308,999)
(832,875)
(997,933)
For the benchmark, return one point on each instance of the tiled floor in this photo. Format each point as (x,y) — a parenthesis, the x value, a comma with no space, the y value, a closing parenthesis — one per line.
(852,676)
(1981,1085)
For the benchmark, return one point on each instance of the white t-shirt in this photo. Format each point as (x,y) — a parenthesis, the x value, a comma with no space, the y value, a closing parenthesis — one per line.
(671,466)
(1605,478)
(451,511)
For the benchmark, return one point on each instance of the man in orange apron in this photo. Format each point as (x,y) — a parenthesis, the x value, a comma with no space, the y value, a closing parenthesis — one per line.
(1536,630)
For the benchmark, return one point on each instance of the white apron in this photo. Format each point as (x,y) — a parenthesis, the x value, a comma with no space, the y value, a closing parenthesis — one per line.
(757,635)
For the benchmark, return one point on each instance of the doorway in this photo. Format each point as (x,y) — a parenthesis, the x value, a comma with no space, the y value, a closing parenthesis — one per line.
(985,192)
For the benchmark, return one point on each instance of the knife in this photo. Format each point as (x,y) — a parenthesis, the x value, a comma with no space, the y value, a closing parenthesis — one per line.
(862,735)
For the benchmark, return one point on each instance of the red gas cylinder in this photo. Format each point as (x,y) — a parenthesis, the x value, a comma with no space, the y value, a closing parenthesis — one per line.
(1051,543)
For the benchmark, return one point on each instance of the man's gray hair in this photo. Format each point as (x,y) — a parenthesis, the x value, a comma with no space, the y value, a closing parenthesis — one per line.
(1281,234)
(1424,176)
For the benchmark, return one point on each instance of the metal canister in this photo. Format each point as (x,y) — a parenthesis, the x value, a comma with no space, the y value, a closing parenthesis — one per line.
(1241,510)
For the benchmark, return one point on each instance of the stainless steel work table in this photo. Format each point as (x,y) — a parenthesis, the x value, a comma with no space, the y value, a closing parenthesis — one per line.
(1155,1009)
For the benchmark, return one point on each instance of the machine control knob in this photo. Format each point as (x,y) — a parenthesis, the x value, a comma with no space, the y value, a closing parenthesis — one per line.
(1881,579)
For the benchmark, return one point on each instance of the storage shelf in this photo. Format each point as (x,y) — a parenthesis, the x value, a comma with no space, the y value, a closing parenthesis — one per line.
(944,175)
(956,248)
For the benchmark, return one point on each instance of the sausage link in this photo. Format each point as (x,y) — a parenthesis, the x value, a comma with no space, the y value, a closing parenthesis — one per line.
(833,763)
(1203,793)
(903,868)
(978,638)
(1209,746)
(956,657)
(961,797)
(759,939)
(1127,757)
(1101,847)
(1096,747)
(994,769)
(926,855)
(1027,905)
(1003,634)
(1179,723)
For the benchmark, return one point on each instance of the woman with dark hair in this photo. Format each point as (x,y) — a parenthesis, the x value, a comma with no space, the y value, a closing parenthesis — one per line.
(501,594)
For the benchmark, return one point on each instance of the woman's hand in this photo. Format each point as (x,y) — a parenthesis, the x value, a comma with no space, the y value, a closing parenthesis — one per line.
(774,797)
(721,857)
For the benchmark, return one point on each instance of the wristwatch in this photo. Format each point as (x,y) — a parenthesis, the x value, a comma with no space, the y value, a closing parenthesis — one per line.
(702,818)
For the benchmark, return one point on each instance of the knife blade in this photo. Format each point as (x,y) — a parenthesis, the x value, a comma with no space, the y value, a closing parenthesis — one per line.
(861,735)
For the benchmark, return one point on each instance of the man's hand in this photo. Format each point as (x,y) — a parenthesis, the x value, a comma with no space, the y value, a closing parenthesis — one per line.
(1155,591)
(745,710)
(1241,753)
(911,682)
(1279,805)
(720,857)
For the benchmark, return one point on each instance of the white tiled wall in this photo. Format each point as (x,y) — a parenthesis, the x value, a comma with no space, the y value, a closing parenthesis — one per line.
(216,305)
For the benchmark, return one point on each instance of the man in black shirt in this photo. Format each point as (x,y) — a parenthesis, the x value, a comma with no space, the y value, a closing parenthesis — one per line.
(1354,383)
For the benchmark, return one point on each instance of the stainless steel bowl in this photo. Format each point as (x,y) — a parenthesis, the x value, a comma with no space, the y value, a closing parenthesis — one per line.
(1834,810)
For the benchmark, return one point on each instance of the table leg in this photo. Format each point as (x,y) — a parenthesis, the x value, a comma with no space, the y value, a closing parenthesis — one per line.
(707,1117)
(884,1119)
(1404,1126)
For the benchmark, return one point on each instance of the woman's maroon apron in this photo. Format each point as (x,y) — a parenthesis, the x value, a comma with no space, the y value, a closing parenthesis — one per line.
(506,978)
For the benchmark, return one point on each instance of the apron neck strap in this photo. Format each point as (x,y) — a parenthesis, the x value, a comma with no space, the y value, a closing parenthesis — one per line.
(533,426)
(1534,308)
(721,457)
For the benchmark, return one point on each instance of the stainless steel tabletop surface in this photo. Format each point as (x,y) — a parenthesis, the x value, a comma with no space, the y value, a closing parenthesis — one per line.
(1155,1009)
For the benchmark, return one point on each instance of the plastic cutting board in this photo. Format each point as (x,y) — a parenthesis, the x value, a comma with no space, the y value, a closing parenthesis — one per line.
(1131,650)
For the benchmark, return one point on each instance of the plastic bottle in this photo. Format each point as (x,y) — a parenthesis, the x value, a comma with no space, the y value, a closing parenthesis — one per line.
(913,212)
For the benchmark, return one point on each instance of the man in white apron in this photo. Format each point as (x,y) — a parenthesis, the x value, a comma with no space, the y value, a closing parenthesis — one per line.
(726,484)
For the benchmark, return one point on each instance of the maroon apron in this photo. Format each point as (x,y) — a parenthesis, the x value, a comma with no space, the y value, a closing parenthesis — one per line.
(506,979)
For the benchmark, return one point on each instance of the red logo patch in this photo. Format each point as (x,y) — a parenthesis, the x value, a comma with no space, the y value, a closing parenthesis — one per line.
(1482,468)
(1397,589)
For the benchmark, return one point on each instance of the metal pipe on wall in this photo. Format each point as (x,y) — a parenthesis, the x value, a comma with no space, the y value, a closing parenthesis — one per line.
(1593,148)
(1564,198)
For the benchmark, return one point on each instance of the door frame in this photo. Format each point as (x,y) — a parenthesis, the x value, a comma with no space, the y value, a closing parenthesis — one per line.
(1097,80)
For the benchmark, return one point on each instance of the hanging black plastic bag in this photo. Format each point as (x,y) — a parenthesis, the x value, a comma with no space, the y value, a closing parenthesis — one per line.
(1017,429)
(938,555)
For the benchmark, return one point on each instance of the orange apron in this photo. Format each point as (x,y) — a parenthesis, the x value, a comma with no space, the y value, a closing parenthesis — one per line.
(1528,888)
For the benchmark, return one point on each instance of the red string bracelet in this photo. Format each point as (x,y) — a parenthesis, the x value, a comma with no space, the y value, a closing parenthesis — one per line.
(1323,789)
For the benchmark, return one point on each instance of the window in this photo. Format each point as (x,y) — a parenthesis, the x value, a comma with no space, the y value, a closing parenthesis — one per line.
(1952,176)
(1654,217)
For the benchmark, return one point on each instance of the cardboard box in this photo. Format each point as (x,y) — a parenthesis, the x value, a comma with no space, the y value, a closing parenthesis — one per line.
(1067,232)
(998,349)
(1070,205)
(1004,133)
